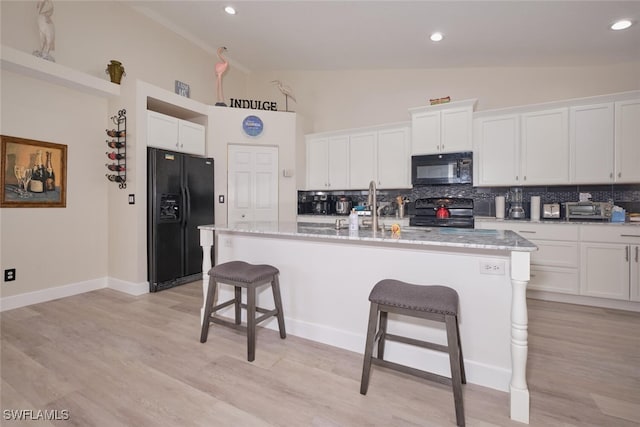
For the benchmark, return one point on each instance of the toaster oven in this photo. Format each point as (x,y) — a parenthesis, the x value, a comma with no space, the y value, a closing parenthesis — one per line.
(588,210)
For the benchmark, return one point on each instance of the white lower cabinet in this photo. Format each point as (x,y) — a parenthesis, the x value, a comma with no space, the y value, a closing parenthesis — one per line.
(610,262)
(554,266)
(601,261)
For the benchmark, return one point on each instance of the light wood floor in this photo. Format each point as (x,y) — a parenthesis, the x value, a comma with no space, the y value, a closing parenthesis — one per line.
(115,360)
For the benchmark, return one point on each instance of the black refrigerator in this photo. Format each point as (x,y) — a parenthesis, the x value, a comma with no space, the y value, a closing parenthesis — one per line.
(179,199)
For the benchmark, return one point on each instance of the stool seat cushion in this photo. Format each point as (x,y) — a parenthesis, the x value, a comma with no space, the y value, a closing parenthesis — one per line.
(240,271)
(432,298)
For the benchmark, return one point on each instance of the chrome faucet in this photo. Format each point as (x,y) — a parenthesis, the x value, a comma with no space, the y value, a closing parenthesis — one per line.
(372,201)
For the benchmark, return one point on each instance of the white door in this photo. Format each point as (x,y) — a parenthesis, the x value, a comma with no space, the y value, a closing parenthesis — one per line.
(252,181)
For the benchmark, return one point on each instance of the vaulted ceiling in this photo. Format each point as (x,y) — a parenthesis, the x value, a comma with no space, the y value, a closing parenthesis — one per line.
(335,35)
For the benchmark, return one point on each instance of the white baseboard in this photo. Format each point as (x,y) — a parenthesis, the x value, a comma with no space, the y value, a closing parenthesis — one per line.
(50,294)
(130,288)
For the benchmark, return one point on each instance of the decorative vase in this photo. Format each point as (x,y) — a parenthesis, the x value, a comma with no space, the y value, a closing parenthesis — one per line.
(115,71)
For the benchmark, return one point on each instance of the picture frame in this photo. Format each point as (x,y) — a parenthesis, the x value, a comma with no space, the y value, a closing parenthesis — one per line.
(183,89)
(33,174)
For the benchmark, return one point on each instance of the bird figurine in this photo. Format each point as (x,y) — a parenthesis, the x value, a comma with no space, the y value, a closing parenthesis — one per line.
(47,30)
(221,67)
(286,91)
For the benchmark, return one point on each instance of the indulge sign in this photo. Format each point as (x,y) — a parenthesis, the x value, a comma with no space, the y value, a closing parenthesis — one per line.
(253,104)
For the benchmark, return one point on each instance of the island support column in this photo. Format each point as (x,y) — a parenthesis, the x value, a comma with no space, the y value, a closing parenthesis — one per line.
(206,241)
(520,274)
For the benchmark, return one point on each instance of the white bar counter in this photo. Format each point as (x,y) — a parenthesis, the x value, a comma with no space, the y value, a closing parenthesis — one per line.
(326,276)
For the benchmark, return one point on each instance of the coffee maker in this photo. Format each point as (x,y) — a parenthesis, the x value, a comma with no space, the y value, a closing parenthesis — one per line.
(516,208)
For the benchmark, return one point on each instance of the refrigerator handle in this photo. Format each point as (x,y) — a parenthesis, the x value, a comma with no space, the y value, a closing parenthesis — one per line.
(187,205)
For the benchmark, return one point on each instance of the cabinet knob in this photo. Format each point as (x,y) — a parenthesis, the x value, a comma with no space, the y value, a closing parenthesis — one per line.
(611,175)
(516,177)
(626,254)
(619,174)
(525,178)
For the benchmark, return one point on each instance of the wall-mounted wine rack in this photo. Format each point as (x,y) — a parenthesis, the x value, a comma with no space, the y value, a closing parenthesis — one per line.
(118,155)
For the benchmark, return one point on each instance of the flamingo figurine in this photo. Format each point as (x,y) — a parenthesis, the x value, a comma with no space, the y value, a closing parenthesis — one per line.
(286,91)
(221,67)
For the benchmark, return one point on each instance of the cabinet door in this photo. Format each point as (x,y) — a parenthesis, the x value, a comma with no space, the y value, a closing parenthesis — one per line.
(455,134)
(591,143)
(317,160)
(393,158)
(604,270)
(544,148)
(497,150)
(191,138)
(635,272)
(338,162)
(627,141)
(362,160)
(425,132)
(162,131)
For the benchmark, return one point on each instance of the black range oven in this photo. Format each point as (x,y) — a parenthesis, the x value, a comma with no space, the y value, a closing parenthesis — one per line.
(443,212)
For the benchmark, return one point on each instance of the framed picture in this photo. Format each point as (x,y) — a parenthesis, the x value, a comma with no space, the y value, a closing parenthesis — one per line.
(182,89)
(33,174)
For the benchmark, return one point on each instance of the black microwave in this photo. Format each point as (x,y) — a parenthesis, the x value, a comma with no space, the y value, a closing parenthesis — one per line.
(438,169)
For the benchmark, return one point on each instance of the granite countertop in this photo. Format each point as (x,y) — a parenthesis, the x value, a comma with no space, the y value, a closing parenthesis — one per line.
(556,221)
(446,237)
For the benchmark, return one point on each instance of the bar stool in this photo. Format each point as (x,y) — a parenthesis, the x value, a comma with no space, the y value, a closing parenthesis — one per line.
(439,303)
(241,274)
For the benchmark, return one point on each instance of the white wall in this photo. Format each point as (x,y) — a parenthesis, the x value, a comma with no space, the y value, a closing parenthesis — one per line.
(52,247)
(334,100)
(225,127)
(99,234)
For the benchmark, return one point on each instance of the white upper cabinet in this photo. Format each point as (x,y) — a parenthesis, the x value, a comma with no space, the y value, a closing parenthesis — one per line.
(443,128)
(338,162)
(496,150)
(522,149)
(362,159)
(350,160)
(627,141)
(171,133)
(544,147)
(394,158)
(591,143)
(317,163)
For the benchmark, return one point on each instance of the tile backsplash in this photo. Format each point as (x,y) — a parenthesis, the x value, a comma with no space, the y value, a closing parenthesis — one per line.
(624,195)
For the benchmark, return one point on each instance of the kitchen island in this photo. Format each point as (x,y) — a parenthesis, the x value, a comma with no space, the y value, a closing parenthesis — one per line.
(326,276)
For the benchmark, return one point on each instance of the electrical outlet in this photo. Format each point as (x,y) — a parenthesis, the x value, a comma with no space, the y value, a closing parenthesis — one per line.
(10,275)
(492,267)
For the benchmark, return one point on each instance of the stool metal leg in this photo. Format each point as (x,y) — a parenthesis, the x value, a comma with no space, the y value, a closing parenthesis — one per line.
(368,350)
(455,363)
(204,332)
(251,323)
(277,299)
(237,303)
(382,331)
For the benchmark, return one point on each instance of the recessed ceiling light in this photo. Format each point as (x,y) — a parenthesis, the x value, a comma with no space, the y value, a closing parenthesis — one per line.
(230,10)
(622,24)
(436,37)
